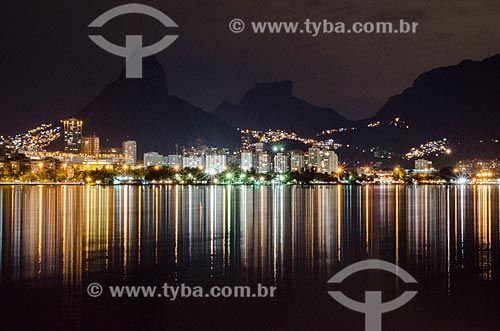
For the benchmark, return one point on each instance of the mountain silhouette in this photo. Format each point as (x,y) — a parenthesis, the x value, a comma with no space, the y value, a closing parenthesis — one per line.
(461,102)
(273,106)
(142,109)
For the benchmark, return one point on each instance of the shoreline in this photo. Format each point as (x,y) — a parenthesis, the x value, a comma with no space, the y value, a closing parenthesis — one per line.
(240,184)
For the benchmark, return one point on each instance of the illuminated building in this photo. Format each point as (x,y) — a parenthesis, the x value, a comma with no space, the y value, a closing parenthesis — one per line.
(264,163)
(313,160)
(174,160)
(296,161)
(153,159)
(246,160)
(192,162)
(215,164)
(280,163)
(90,145)
(329,162)
(470,167)
(422,165)
(72,135)
(129,150)
(259,147)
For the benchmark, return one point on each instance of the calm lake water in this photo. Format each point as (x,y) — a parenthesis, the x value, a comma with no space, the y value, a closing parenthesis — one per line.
(55,240)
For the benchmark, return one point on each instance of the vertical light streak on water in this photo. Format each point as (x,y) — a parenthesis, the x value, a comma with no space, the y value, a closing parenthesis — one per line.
(320,226)
(125,229)
(108,206)
(275,231)
(308,225)
(347,221)
(448,248)
(139,226)
(226,210)
(462,220)
(156,211)
(484,233)
(40,220)
(479,229)
(263,219)
(293,224)
(226,230)
(202,221)
(190,221)
(367,219)
(426,220)
(1,231)
(64,251)
(16,237)
(243,215)
(87,226)
(455,237)
(416,222)
(397,225)
(282,228)
(243,230)
(475,211)
(488,229)
(317,209)
(339,223)
(230,229)
(177,210)
(212,224)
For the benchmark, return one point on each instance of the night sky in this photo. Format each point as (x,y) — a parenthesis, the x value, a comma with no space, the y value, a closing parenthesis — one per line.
(50,69)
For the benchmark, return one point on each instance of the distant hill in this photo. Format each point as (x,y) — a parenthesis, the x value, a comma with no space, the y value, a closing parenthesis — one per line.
(142,109)
(273,106)
(461,102)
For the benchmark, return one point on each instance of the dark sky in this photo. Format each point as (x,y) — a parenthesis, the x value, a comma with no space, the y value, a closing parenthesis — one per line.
(49,67)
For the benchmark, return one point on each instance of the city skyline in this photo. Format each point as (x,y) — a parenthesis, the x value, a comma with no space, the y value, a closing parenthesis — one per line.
(261,156)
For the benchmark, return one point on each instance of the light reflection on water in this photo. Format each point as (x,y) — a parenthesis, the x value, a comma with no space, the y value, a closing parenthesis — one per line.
(63,236)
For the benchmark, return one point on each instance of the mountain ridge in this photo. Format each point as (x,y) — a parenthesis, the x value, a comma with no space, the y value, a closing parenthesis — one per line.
(142,109)
(273,105)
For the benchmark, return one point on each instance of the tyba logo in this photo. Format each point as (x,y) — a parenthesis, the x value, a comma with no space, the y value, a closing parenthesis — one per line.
(134,51)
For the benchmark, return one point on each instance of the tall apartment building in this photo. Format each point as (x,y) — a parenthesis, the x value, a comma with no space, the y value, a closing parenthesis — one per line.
(153,159)
(90,145)
(246,160)
(129,150)
(264,163)
(215,163)
(313,160)
(281,163)
(329,162)
(296,161)
(73,129)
